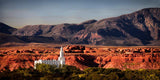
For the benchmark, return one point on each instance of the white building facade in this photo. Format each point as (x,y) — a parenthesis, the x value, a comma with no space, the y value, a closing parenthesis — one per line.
(59,62)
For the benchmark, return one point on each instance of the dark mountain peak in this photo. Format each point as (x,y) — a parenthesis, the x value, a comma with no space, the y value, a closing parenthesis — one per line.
(138,28)
(33,30)
(6,29)
(89,21)
(146,9)
(41,25)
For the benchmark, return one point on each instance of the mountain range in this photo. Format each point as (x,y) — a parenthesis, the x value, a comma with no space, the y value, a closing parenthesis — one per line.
(135,29)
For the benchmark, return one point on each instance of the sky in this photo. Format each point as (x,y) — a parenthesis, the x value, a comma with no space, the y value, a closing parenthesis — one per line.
(18,13)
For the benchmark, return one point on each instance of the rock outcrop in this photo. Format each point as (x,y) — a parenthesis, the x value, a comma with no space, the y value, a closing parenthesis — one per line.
(138,28)
(106,57)
(6,29)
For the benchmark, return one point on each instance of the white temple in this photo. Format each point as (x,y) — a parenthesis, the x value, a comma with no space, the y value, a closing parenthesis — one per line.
(59,62)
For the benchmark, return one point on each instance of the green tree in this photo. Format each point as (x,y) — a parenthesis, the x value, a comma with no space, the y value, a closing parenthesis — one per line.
(94,70)
(95,76)
(112,76)
(69,70)
(46,68)
(109,70)
(151,77)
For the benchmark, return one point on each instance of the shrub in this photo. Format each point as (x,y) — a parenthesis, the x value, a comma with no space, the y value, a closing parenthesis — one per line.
(151,77)
(95,76)
(112,76)
(69,70)
(49,72)
(46,68)
(109,70)
(94,70)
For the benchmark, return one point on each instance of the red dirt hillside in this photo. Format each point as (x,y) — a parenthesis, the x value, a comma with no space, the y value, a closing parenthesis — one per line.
(83,56)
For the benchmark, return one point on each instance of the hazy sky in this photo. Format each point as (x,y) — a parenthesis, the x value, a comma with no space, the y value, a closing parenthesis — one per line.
(18,13)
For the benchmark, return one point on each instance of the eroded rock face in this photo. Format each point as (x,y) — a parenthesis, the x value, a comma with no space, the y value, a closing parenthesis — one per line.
(74,49)
(122,58)
(6,29)
(79,49)
(137,28)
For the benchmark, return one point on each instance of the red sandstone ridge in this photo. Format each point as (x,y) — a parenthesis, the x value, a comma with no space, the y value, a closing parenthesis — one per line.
(12,62)
(78,49)
(106,57)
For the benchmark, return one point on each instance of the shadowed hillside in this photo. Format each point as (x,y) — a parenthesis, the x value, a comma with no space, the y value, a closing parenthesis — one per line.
(138,28)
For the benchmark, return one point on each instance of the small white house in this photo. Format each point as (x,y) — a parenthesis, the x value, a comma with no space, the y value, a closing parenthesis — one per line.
(60,61)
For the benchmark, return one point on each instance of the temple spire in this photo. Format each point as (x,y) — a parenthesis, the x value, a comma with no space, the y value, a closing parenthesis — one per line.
(61,52)
(61,58)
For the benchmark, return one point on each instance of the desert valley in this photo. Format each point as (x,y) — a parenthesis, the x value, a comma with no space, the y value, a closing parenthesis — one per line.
(81,56)
(121,44)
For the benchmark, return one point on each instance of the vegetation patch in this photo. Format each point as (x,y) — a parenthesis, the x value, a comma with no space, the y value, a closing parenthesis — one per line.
(49,72)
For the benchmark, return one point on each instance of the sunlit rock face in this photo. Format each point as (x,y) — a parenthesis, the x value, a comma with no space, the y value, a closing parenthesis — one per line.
(105,57)
(137,28)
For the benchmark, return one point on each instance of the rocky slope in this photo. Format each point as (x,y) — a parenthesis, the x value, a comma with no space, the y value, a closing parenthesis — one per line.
(138,28)
(106,57)
(6,29)
(5,38)
(5,34)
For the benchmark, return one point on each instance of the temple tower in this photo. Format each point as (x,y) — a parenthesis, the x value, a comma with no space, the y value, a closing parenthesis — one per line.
(61,58)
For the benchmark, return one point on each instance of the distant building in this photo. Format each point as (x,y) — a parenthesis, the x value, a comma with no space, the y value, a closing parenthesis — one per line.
(59,62)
